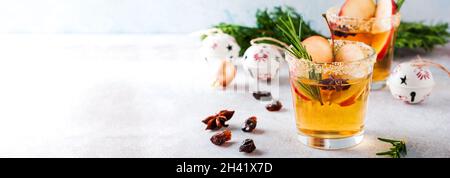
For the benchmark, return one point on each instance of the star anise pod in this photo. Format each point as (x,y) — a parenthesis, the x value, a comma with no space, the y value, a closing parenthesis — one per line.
(333,83)
(226,113)
(218,120)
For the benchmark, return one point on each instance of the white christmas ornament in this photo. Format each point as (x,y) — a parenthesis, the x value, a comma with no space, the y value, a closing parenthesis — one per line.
(219,50)
(410,82)
(219,46)
(262,61)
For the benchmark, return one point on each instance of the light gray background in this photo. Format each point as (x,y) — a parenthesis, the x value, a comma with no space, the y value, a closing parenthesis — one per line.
(135,95)
(174,16)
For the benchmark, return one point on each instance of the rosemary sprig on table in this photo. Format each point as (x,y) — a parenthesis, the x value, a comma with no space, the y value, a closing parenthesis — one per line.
(397,150)
(299,51)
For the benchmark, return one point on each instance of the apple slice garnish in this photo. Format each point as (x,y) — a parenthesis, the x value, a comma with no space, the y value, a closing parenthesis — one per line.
(349,52)
(358,9)
(394,7)
(383,28)
(319,48)
(385,9)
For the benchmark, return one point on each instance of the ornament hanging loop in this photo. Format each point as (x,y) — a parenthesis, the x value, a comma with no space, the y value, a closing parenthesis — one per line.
(285,46)
(420,62)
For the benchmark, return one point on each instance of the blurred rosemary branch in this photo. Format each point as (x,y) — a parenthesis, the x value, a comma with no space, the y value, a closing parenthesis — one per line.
(266,26)
(418,35)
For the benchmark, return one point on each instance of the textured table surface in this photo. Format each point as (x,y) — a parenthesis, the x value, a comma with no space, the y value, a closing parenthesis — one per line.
(143,96)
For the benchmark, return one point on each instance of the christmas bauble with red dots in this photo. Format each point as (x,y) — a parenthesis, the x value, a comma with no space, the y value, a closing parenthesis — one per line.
(219,46)
(262,61)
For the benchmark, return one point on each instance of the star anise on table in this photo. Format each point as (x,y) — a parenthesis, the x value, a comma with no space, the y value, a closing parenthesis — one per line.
(217,121)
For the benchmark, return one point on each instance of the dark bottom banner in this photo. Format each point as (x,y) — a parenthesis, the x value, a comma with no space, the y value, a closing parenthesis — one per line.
(199,167)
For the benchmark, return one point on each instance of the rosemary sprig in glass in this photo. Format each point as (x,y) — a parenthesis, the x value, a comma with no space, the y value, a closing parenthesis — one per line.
(286,26)
(397,150)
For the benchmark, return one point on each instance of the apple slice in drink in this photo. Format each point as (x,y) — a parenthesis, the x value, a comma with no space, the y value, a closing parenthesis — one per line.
(350,101)
(298,92)
(383,28)
(349,96)
(381,43)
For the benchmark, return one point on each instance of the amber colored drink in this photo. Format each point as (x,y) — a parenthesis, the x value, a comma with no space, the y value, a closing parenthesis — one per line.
(339,114)
(330,99)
